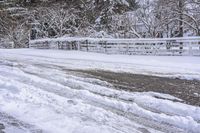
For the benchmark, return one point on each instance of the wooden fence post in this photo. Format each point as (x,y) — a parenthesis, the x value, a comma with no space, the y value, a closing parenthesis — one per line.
(105,47)
(127,48)
(78,45)
(70,45)
(190,49)
(87,47)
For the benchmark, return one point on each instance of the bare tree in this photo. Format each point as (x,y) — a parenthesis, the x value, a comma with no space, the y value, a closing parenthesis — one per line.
(14,30)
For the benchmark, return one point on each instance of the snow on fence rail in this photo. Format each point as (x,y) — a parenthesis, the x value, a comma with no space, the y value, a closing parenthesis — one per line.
(147,46)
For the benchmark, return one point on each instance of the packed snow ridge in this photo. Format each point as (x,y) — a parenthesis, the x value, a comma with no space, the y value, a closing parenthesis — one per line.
(39,94)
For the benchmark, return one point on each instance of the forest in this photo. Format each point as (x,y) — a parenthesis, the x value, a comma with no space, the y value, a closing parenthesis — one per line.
(24,20)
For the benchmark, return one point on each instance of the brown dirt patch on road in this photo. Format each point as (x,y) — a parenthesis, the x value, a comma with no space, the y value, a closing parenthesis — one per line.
(187,90)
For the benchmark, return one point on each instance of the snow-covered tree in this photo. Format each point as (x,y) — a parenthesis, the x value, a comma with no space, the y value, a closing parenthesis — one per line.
(14,30)
(116,18)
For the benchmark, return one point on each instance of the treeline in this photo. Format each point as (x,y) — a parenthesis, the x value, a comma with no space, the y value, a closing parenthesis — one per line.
(22,20)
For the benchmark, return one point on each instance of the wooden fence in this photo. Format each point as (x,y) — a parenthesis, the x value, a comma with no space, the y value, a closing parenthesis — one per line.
(6,44)
(147,46)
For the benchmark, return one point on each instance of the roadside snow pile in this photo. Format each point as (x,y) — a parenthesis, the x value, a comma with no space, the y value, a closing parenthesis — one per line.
(171,66)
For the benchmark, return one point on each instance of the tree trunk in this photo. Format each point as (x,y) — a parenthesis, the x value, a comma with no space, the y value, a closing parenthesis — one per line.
(180,5)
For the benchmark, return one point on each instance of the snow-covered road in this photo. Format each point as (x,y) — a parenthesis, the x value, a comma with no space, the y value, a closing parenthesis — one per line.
(170,66)
(39,94)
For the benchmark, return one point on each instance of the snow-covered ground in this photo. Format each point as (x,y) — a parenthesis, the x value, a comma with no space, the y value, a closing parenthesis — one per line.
(39,94)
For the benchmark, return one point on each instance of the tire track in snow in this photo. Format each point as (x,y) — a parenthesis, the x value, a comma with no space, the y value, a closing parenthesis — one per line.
(13,125)
(128,115)
(165,128)
(80,115)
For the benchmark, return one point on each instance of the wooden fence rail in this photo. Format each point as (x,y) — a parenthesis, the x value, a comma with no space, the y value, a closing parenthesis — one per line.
(6,44)
(147,46)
